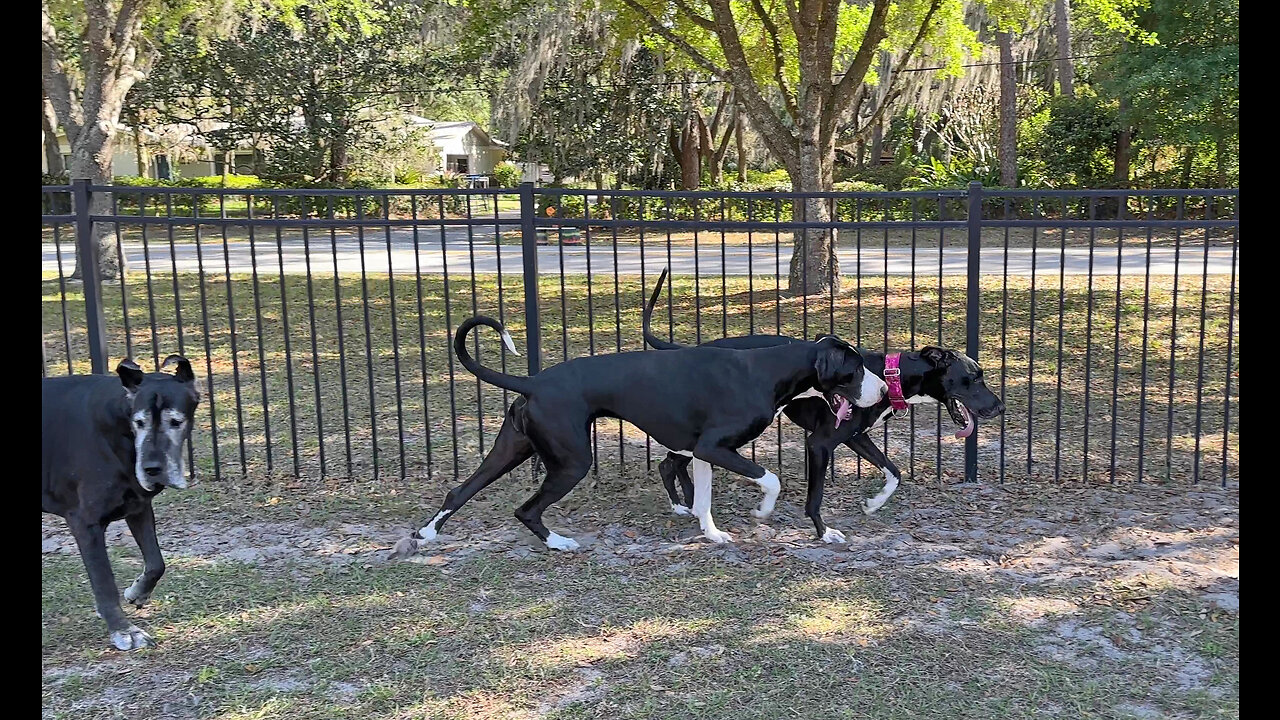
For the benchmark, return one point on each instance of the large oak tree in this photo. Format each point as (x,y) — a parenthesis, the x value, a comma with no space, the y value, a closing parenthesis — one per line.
(796,67)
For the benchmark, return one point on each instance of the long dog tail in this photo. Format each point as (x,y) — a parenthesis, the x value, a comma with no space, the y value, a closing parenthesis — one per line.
(653,340)
(493,377)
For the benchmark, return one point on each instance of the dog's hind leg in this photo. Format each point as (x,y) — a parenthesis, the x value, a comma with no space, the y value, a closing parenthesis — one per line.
(869,452)
(702,503)
(566,453)
(675,467)
(686,483)
(143,527)
(510,449)
(91,539)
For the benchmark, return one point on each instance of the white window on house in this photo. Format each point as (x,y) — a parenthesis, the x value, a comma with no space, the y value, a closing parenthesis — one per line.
(458,163)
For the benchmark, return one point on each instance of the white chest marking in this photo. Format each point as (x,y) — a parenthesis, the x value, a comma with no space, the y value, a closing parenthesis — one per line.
(913,400)
(811,392)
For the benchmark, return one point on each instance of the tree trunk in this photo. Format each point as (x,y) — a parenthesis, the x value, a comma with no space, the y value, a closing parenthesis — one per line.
(1124,143)
(815,270)
(1062,30)
(91,158)
(1187,156)
(141,155)
(338,158)
(49,125)
(1008,113)
(877,143)
(87,96)
(741,147)
(1220,161)
(688,156)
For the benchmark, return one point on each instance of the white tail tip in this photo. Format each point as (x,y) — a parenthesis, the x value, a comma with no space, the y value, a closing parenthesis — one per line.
(511,344)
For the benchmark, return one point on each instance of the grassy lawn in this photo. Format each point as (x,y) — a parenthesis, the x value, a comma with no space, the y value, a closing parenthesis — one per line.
(376,376)
(1025,601)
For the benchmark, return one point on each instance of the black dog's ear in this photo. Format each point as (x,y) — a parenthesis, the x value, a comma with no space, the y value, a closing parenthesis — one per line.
(831,359)
(836,340)
(183,372)
(936,356)
(131,375)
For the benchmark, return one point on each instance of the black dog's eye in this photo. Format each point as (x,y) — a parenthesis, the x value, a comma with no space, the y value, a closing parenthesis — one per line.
(175,423)
(139,423)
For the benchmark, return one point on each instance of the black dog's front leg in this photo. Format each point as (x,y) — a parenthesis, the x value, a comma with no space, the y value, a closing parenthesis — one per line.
(91,538)
(143,527)
(867,449)
(818,456)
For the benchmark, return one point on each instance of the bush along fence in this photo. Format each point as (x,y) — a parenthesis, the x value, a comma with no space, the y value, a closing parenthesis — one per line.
(1108,320)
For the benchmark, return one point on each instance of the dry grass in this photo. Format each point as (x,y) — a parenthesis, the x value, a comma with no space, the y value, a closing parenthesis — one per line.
(1028,600)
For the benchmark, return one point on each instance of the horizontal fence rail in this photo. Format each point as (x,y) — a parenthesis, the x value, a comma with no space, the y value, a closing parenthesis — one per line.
(320,321)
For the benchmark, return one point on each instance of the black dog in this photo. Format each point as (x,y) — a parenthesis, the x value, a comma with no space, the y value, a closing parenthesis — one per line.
(108,446)
(705,401)
(931,375)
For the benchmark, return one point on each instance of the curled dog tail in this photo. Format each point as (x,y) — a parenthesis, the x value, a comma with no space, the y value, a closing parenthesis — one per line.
(493,377)
(654,341)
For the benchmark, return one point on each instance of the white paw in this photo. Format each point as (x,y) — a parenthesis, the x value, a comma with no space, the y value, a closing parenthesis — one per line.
(870,506)
(762,513)
(680,509)
(134,594)
(131,638)
(832,535)
(718,536)
(559,542)
(428,533)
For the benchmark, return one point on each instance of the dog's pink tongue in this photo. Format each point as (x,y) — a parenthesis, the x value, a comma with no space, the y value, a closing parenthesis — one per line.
(844,411)
(967,430)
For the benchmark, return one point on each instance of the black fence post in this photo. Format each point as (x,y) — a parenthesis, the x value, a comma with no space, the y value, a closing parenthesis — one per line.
(90,273)
(529,249)
(973,308)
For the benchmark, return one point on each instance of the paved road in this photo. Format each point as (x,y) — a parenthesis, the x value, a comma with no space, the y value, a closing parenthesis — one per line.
(761,260)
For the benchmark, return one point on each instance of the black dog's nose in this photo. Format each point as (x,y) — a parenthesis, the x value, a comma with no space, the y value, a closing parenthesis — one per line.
(152,469)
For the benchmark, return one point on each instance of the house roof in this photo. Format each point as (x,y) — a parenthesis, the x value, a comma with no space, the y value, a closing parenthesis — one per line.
(454,130)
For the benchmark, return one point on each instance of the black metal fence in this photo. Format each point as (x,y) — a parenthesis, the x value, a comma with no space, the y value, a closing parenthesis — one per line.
(1108,320)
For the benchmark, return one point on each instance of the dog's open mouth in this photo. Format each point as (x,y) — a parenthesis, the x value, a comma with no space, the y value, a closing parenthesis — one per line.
(962,417)
(840,407)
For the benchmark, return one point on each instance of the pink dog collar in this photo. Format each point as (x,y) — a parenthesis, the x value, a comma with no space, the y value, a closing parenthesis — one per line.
(893,378)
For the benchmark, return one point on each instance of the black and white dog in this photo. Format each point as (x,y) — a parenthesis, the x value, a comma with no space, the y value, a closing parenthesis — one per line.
(705,401)
(108,446)
(932,375)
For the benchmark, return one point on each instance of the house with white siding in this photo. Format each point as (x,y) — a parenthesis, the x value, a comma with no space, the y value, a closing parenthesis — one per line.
(181,150)
(463,147)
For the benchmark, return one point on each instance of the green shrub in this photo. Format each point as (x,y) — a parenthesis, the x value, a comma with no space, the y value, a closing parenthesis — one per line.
(1076,145)
(888,177)
(410,176)
(57,203)
(936,174)
(505,175)
(857,186)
